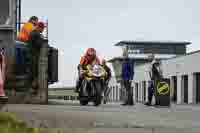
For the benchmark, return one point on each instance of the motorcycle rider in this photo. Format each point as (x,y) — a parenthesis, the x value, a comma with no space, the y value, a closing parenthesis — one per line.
(89,58)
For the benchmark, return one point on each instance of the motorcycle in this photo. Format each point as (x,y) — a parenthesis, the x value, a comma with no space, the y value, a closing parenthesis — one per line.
(93,84)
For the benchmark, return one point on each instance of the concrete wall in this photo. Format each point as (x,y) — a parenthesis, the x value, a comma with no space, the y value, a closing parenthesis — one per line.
(7,21)
(4,11)
(161,48)
(7,12)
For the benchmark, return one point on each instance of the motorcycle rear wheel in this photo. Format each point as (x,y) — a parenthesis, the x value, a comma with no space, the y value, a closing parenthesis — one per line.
(83,102)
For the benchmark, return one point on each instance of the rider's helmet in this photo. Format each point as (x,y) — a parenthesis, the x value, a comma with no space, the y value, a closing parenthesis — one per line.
(91,53)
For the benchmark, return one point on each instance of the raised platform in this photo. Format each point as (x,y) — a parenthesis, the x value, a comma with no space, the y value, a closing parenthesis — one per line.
(24,98)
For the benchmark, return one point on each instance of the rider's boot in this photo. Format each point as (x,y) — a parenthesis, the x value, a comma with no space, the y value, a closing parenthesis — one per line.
(147,103)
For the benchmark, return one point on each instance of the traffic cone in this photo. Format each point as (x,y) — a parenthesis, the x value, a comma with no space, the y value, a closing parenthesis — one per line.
(2,92)
(2,75)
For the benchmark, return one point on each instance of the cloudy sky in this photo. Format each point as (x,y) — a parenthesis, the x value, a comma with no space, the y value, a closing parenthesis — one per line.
(75,25)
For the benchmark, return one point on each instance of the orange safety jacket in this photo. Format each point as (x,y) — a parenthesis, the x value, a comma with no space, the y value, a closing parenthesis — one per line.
(25,31)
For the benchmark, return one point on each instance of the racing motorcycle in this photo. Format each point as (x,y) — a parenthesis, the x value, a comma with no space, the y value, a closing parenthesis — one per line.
(92,85)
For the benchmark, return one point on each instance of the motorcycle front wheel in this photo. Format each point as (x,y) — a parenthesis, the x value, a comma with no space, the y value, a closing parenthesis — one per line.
(83,100)
(98,97)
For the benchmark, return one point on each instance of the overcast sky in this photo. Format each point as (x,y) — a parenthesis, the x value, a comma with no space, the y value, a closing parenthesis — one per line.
(75,25)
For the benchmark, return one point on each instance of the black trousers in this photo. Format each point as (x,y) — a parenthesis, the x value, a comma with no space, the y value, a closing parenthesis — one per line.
(129,92)
(150,91)
(33,60)
(34,66)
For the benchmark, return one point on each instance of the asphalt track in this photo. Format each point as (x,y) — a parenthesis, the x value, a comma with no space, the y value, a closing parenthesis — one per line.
(61,114)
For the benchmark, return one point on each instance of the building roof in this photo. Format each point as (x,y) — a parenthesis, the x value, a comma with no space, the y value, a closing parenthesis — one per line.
(123,43)
(190,53)
(144,57)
